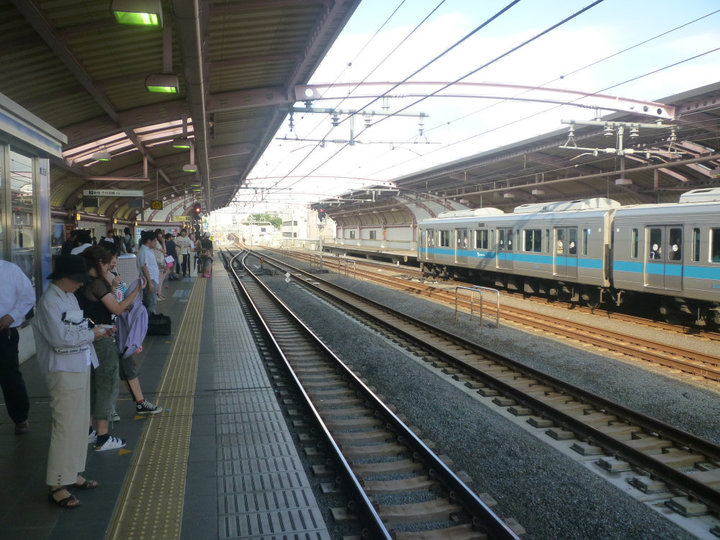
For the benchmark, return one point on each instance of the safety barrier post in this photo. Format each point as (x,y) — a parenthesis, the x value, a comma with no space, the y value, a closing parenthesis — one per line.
(480,290)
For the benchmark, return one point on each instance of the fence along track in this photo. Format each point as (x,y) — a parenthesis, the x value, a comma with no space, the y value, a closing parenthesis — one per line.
(395,481)
(670,460)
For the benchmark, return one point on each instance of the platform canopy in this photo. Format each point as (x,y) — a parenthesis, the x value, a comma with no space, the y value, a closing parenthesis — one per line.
(78,66)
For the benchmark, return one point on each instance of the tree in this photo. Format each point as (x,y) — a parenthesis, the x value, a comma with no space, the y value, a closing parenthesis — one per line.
(273,220)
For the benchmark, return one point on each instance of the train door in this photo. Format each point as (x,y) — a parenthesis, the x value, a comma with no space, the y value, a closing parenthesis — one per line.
(663,266)
(461,246)
(565,252)
(428,242)
(505,248)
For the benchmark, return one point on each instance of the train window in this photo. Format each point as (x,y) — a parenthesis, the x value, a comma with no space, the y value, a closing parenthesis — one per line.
(444,238)
(559,241)
(462,240)
(655,251)
(634,243)
(585,241)
(533,240)
(481,239)
(373,235)
(715,245)
(505,240)
(675,244)
(696,245)
(430,238)
(352,235)
(572,241)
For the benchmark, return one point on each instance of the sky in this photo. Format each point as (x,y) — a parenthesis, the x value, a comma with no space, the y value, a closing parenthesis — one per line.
(637,49)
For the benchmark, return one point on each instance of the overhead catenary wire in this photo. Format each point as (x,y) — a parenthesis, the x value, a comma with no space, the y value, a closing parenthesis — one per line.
(352,61)
(427,64)
(568,74)
(565,76)
(573,72)
(377,66)
(483,66)
(543,111)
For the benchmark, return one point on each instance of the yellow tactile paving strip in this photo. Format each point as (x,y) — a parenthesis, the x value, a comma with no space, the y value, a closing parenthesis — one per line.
(151,502)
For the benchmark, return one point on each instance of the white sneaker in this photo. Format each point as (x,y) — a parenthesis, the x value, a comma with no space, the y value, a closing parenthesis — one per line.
(92,437)
(114,416)
(113,443)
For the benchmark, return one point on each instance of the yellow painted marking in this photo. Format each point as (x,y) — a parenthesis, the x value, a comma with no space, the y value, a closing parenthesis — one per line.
(124,451)
(151,502)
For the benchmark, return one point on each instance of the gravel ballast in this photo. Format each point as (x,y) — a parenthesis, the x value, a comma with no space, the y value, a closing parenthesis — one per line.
(549,494)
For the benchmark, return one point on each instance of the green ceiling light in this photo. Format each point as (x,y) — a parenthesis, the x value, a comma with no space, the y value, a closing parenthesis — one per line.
(182,143)
(101,155)
(138,12)
(162,83)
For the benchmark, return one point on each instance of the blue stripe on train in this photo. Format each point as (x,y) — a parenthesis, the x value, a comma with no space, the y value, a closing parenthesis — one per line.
(521,257)
(633,267)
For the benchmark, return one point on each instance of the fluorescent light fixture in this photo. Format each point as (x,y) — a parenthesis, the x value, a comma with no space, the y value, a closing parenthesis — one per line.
(508,195)
(537,192)
(101,155)
(190,167)
(162,83)
(182,143)
(138,12)
(623,182)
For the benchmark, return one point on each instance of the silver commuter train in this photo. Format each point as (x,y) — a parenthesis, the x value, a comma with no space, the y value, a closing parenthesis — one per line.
(594,250)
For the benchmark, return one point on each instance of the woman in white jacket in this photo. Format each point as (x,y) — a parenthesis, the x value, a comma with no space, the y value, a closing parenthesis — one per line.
(63,342)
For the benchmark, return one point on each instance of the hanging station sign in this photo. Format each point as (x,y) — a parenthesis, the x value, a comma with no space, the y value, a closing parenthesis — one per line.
(156,205)
(112,192)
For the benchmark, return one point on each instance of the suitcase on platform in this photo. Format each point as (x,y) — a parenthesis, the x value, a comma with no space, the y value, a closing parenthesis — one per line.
(159,325)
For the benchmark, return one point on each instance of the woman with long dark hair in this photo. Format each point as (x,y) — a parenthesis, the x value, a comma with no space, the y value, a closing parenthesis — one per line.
(100,304)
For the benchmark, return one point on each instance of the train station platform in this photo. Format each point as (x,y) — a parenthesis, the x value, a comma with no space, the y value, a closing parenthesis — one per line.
(392,255)
(218,462)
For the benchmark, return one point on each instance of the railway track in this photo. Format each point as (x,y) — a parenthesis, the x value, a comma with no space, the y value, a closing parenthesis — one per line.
(630,345)
(664,462)
(398,487)
(405,273)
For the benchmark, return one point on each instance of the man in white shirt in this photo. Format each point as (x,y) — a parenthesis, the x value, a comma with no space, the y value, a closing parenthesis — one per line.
(148,268)
(17,297)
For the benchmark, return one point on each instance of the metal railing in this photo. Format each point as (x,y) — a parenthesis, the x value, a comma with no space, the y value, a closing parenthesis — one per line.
(480,291)
(346,266)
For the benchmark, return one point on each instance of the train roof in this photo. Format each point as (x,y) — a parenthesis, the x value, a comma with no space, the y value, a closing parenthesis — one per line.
(596,203)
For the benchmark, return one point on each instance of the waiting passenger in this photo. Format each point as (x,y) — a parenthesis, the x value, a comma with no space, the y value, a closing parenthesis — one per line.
(64,352)
(17,298)
(148,268)
(100,304)
(129,371)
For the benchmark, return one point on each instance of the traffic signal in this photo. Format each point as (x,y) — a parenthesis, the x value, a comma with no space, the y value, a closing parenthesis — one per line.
(197,209)
(321,214)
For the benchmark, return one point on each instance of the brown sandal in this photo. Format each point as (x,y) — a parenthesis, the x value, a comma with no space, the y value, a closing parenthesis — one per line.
(85,484)
(68,502)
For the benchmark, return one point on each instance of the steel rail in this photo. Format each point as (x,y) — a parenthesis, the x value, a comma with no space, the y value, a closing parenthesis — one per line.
(681,481)
(481,513)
